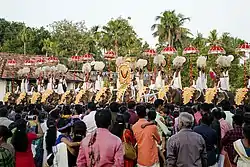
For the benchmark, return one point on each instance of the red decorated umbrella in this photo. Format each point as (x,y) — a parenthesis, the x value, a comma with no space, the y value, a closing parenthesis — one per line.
(190,50)
(12,62)
(53,59)
(87,57)
(215,49)
(246,49)
(169,50)
(110,55)
(40,61)
(29,62)
(150,52)
(75,58)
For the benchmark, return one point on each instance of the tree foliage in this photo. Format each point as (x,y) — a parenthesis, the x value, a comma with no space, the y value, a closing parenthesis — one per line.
(67,38)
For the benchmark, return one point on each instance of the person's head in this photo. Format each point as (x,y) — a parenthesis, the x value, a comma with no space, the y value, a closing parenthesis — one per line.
(79,109)
(225,104)
(64,126)
(186,120)
(238,119)
(246,131)
(3,112)
(79,129)
(126,116)
(5,133)
(207,119)
(151,115)
(1,103)
(123,109)
(103,118)
(131,105)
(158,104)
(204,108)
(91,106)
(20,139)
(216,112)
(141,111)
(50,138)
(114,107)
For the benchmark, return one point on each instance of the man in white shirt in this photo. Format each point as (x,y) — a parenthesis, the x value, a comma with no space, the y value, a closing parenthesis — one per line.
(89,119)
(226,108)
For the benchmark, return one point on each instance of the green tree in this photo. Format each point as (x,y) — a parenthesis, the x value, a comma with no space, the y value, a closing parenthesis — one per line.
(169,27)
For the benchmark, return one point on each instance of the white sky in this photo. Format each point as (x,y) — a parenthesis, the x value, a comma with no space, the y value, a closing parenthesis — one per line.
(224,15)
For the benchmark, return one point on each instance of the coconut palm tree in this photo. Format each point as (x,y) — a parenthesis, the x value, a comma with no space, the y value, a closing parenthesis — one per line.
(169,27)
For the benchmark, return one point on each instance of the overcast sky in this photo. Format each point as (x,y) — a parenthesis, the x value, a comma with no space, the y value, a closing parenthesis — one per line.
(231,16)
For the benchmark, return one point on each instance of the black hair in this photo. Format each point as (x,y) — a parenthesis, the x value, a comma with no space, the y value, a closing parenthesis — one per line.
(225,104)
(20,138)
(5,133)
(66,110)
(103,118)
(131,104)
(158,102)
(3,112)
(123,109)
(79,109)
(50,138)
(1,103)
(246,131)
(91,106)
(207,119)
(238,119)
(216,112)
(79,131)
(119,125)
(151,115)
(114,107)
(205,107)
(141,111)
(62,122)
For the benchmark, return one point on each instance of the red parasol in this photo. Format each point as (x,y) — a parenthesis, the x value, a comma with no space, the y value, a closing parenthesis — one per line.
(150,52)
(215,49)
(87,57)
(29,62)
(11,62)
(75,58)
(190,50)
(169,50)
(53,59)
(110,55)
(40,61)
(244,48)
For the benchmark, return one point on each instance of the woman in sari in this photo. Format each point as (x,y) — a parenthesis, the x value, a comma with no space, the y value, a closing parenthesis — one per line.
(122,130)
(242,147)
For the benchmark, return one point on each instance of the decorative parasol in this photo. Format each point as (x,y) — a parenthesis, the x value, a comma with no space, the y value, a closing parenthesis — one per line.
(40,61)
(87,57)
(75,58)
(29,62)
(12,62)
(110,55)
(150,52)
(215,49)
(169,50)
(190,50)
(53,59)
(246,49)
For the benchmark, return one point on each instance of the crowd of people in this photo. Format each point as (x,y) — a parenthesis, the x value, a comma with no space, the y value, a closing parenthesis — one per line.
(127,134)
